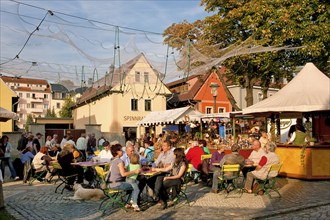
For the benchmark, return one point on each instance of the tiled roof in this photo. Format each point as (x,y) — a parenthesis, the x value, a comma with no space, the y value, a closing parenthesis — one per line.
(24,80)
(189,95)
(58,88)
(29,89)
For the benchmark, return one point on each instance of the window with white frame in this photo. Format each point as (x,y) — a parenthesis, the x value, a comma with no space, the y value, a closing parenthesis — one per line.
(45,96)
(28,105)
(45,106)
(209,110)
(33,105)
(221,109)
(27,95)
(137,76)
(20,95)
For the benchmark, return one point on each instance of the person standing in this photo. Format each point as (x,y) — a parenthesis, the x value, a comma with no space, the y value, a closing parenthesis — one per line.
(64,140)
(22,142)
(81,145)
(91,144)
(36,143)
(263,139)
(292,129)
(299,136)
(53,141)
(7,148)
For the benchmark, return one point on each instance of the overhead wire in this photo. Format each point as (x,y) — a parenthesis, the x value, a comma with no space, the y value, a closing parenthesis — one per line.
(27,40)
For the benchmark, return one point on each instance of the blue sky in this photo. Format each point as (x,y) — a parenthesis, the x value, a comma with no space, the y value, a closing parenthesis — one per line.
(64,43)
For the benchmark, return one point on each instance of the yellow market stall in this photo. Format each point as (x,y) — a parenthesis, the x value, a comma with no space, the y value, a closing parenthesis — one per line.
(306,95)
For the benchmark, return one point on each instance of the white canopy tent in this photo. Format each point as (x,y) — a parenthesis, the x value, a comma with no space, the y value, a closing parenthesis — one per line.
(173,116)
(6,115)
(307,92)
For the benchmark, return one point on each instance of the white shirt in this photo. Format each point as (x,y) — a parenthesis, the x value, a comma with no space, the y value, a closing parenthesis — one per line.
(105,156)
(101,141)
(255,156)
(63,142)
(81,143)
(71,142)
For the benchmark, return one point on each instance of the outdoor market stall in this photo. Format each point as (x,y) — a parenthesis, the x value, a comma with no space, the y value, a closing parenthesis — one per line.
(169,117)
(306,95)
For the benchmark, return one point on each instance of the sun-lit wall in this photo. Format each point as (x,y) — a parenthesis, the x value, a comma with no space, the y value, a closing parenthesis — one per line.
(6,95)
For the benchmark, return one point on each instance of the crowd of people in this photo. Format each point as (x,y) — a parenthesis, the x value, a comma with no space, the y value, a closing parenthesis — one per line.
(163,156)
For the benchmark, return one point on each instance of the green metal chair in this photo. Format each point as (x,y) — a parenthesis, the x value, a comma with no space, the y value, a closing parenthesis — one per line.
(269,184)
(61,177)
(182,195)
(229,179)
(112,196)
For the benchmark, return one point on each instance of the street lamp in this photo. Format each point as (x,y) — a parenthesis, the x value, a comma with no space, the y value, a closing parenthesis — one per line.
(214,91)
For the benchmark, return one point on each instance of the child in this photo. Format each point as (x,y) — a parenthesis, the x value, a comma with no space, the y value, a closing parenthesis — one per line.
(134,164)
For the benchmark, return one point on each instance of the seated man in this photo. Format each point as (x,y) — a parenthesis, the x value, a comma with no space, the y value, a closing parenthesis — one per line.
(261,170)
(165,159)
(194,156)
(229,159)
(254,157)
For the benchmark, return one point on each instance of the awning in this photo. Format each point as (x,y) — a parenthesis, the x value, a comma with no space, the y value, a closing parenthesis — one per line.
(307,92)
(171,128)
(6,115)
(173,116)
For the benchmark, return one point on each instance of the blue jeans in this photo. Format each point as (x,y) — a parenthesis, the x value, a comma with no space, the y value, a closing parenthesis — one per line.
(136,190)
(126,187)
(10,165)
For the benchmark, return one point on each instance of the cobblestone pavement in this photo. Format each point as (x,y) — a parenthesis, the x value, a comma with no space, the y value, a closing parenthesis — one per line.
(300,200)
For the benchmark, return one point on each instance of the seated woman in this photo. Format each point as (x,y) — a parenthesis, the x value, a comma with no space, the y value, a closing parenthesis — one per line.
(177,170)
(41,162)
(65,158)
(216,158)
(118,174)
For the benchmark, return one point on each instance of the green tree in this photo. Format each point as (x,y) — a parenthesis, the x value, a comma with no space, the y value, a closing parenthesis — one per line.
(66,110)
(297,23)
(53,114)
(50,113)
(29,120)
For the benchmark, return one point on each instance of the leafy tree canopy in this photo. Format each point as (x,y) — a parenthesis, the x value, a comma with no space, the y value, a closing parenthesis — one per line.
(66,110)
(296,23)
